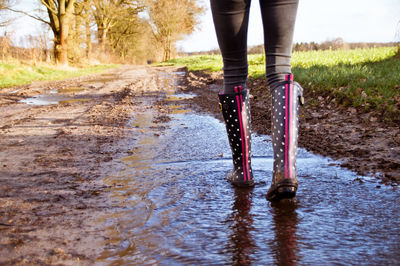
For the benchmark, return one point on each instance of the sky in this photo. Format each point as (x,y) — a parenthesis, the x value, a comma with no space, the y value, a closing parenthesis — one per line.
(317,20)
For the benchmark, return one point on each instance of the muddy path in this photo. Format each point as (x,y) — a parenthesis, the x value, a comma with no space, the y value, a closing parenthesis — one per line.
(58,140)
(121,169)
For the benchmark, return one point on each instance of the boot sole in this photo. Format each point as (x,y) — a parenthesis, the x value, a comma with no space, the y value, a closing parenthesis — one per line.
(243,184)
(282,192)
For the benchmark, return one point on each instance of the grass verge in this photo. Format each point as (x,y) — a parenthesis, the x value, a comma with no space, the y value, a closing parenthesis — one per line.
(19,73)
(366,79)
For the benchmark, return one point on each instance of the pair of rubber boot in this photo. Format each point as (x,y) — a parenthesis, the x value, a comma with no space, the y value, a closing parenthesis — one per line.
(286,98)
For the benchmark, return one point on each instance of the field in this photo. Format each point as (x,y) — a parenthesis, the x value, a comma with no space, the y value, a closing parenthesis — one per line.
(367,79)
(19,73)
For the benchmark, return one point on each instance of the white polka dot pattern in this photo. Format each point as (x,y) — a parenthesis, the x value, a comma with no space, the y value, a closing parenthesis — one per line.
(286,98)
(236,112)
(285,106)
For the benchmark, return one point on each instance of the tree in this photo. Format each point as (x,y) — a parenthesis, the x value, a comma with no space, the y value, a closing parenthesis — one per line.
(171,20)
(61,14)
(5,44)
(121,30)
(81,31)
(133,41)
(107,13)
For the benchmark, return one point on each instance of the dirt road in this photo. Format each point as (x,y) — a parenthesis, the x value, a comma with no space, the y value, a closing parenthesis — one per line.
(53,157)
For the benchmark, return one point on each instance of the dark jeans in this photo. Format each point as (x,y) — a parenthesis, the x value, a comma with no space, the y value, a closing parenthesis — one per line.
(231,19)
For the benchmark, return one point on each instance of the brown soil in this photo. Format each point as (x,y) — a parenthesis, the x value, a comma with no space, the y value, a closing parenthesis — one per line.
(357,140)
(54,157)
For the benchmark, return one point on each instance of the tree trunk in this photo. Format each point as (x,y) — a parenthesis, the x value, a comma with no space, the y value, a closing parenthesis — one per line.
(60,53)
(102,37)
(167,50)
(60,16)
(61,48)
(88,37)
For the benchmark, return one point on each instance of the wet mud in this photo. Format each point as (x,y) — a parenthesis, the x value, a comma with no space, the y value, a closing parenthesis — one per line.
(53,157)
(135,176)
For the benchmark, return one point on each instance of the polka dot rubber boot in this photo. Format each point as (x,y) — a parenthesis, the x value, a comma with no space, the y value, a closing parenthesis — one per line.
(286,98)
(236,112)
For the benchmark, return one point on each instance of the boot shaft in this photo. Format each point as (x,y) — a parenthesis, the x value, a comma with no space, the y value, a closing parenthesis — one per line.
(286,98)
(236,112)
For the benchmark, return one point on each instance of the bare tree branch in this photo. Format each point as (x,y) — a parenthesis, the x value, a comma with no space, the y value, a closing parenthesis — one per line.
(4,5)
(70,6)
(48,6)
(29,15)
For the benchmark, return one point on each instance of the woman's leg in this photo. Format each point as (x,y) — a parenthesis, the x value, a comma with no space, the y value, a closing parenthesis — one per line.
(279,17)
(231,21)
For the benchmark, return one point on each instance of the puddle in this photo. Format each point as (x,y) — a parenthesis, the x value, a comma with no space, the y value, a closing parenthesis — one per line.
(51,99)
(74,101)
(172,205)
(171,75)
(56,96)
(180,97)
(179,73)
(144,120)
(69,90)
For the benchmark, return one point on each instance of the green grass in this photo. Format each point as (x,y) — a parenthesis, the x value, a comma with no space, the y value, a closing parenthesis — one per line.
(368,79)
(364,78)
(211,63)
(18,73)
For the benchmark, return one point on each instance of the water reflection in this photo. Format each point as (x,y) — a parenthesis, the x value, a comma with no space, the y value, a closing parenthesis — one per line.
(285,222)
(242,223)
(284,245)
(48,99)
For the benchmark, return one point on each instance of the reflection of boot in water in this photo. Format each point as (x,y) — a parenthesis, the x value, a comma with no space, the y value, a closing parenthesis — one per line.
(286,97)
(242,243)
(285,227)
(236,111)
